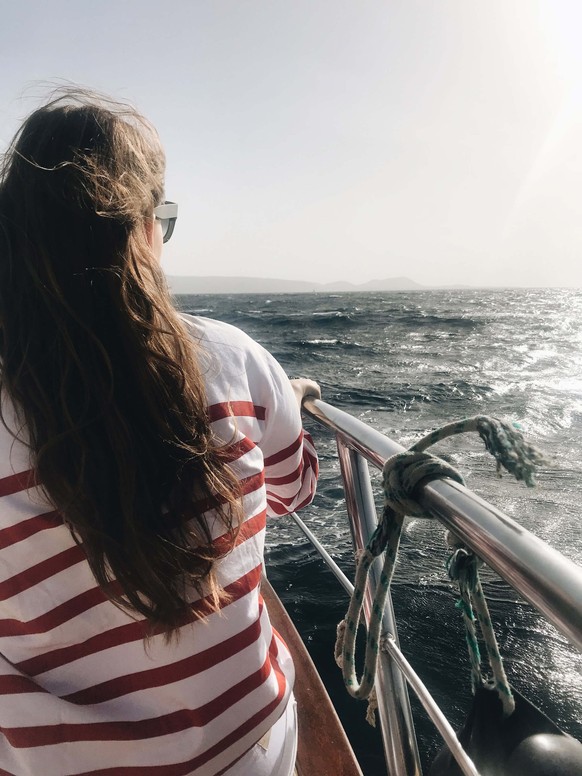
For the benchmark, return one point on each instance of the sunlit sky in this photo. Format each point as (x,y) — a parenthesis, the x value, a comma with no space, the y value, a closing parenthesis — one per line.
(331,140)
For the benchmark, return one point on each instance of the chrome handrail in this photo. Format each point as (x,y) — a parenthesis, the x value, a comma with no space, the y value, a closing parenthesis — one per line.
(541,575)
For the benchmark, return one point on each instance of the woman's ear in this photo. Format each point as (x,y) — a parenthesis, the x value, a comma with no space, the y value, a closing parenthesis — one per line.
(149,224)
(154,236)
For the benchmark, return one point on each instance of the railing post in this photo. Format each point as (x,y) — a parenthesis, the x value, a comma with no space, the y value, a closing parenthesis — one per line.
(398,735)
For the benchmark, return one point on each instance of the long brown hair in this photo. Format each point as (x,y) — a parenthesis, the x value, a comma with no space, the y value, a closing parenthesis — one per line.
(98,362)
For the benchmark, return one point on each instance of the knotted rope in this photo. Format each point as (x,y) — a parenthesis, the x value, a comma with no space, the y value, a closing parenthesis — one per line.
(402,475)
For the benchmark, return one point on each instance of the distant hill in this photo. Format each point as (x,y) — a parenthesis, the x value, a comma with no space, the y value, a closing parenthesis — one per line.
(182,284)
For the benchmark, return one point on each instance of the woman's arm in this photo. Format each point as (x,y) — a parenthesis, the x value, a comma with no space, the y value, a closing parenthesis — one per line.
(291,465)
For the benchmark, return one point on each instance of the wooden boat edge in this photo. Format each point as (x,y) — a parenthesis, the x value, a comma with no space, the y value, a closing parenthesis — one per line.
(323,746)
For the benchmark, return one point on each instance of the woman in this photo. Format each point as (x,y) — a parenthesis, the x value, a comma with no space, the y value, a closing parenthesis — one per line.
(141,453)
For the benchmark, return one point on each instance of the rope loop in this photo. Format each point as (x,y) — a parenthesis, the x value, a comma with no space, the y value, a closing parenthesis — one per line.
(401,475)
(463,567)
(403,472)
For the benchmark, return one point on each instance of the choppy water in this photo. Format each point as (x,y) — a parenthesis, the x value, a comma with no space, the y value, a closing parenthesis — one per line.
(407,363)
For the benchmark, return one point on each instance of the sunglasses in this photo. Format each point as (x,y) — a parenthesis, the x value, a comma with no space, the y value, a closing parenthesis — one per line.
(166,214)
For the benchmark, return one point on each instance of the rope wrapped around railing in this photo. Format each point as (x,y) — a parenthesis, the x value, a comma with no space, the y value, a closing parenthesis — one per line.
(403,475)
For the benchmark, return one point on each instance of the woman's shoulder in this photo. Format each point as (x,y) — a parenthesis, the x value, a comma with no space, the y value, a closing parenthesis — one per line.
(228,352)
(215,336)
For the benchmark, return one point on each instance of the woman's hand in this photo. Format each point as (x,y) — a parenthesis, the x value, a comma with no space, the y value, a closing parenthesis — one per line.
(302,388)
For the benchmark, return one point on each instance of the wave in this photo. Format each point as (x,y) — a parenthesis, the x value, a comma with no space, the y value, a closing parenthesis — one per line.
(399,397)
(438,321)
(290,320)
(327,343)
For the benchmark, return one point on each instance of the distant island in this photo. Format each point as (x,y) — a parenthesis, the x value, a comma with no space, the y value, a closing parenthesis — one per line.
(182,284)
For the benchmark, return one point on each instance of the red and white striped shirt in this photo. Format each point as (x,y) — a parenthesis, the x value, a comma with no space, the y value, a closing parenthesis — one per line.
(79,691)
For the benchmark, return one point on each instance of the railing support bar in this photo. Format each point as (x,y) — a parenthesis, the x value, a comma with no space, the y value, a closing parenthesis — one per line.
(326,557)
(398,735)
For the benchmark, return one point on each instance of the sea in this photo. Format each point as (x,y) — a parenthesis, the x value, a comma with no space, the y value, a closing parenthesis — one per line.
(407,363)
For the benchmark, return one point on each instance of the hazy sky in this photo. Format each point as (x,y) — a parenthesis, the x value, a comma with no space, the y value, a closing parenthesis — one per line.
(334,140)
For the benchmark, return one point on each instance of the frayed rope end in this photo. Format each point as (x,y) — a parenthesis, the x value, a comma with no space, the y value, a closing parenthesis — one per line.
(372,706)
(509,448)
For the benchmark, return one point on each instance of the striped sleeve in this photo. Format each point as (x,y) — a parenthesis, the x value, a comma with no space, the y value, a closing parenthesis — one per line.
(291,465)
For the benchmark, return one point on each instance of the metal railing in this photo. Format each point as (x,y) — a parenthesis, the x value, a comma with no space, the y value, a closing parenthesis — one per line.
(540,574)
